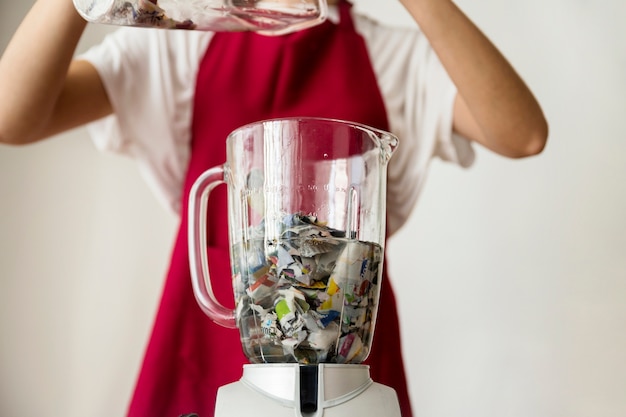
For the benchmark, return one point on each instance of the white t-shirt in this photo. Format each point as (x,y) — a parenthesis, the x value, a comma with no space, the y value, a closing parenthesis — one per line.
(150,74)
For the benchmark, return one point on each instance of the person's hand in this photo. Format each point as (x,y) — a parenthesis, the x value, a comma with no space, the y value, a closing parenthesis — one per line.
(43,91)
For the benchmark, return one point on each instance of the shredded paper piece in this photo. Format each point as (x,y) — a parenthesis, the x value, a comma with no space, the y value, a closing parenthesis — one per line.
(145,13)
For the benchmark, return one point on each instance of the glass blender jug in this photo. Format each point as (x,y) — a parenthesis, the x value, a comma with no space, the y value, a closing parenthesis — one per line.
(306,227)
(270,17)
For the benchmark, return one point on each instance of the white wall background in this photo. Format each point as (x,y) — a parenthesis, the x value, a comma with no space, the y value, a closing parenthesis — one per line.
(511,275)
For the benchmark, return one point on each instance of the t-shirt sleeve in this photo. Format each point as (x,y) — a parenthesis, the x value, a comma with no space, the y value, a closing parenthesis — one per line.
(419,98)
(149,76)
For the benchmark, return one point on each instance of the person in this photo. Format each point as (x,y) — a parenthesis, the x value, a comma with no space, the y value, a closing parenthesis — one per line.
(168,98)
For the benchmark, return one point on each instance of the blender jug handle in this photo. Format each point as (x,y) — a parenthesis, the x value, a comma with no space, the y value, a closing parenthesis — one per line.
(197,239)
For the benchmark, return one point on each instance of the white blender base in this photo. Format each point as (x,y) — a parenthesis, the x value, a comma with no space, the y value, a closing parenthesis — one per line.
(274,390)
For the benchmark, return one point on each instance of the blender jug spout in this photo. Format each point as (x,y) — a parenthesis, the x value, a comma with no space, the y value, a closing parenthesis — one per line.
(387,143)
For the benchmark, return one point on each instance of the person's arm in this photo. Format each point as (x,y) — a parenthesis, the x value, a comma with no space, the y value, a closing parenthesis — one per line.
(44,92)
(494,107)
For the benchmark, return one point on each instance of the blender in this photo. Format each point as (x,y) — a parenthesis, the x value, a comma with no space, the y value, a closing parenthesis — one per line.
(306,221)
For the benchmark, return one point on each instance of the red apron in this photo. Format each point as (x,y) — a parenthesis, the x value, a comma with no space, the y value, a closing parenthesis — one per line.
(244,77)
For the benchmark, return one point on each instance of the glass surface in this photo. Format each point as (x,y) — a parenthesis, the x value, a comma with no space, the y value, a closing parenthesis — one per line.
(307,227)
(268,17)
